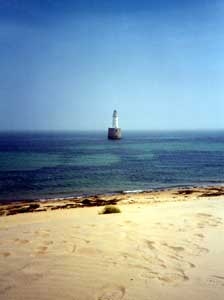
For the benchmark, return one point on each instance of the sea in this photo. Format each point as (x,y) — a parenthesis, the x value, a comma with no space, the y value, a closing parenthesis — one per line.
(46,165)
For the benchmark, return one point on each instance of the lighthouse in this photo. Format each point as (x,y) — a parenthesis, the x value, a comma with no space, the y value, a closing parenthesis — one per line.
(114,133)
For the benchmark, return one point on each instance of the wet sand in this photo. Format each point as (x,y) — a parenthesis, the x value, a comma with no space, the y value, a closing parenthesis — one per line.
(163,245)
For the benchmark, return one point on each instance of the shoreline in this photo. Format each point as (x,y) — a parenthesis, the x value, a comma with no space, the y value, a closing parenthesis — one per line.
(110,193)
(152,196)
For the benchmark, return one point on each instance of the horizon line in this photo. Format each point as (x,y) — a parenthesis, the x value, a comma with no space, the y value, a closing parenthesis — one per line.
(105,130)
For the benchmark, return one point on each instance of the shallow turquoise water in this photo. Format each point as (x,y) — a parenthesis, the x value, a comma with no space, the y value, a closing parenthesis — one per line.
(62,164)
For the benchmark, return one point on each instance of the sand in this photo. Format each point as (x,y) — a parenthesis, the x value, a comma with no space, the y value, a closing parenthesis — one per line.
(163,245)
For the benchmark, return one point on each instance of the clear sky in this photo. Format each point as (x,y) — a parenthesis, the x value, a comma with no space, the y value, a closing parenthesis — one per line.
(69,64)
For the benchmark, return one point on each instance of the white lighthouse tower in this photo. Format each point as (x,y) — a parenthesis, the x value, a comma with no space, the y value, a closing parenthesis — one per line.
(115,120)
(114,133)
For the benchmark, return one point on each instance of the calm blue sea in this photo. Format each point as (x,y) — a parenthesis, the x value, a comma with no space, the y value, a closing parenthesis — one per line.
(62,164)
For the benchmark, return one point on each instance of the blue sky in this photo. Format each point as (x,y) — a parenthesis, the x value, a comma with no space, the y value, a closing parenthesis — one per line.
(68,64)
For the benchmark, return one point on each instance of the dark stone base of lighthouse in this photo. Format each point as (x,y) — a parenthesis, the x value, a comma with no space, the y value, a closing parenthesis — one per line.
(114,133)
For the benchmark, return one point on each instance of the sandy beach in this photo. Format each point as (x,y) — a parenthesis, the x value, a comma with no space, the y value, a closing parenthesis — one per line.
(163,245)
